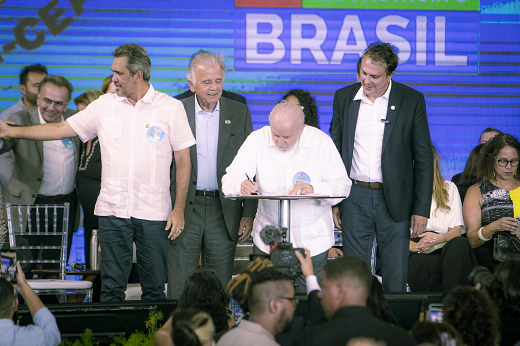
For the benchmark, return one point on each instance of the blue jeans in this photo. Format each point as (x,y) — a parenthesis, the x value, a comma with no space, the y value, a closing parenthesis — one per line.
(116,236)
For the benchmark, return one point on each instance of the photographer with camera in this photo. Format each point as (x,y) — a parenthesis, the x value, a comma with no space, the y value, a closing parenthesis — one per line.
(267,296)
(44,332)
(343,296)
(290,158)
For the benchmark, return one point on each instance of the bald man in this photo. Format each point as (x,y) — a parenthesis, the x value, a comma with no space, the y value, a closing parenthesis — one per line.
(289,158)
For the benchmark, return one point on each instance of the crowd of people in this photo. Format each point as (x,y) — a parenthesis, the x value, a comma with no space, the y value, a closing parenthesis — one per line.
(168,173)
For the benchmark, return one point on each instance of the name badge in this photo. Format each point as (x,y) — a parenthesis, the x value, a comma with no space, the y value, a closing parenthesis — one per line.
(68,143)
(154,135)
(301,177)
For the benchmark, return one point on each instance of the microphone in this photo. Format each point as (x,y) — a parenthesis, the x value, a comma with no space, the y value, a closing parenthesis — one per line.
(77,266)
(270,235)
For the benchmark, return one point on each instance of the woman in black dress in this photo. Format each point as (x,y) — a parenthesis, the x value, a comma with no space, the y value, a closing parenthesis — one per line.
(488,208)
(88,177)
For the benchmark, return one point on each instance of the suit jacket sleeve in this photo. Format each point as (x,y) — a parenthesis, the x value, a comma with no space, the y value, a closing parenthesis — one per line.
(423,161)
(336,132)
(251,205)
(316,313)
(9,143)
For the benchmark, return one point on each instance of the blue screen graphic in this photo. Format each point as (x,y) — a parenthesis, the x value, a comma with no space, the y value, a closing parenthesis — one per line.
(467,63)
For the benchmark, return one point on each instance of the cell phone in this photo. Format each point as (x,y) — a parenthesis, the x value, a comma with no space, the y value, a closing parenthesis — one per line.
(435,311)
(236,310)
(517,228)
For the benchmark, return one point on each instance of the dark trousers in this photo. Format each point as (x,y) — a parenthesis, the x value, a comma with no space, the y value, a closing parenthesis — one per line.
(87,234)
(300,285)
(443,269)
(46,240)
(206,232)
(365,214)
(116,236)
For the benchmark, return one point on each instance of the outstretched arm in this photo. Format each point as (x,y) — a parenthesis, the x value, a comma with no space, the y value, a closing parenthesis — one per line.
(45,132)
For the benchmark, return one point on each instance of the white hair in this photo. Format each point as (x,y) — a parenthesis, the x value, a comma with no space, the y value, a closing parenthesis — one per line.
(203,57)
(288,111)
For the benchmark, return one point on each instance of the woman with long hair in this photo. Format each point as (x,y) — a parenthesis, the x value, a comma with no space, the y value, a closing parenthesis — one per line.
(504,289)
(304,99)
(202,291)
(471,173)
(473,314)
(440,258)
(491,205)
(191,327)
(88,176)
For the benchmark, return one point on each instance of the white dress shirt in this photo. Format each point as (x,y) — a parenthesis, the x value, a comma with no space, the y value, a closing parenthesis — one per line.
(440,221)
(136,151)
(58,166)
(315,155)
(368,141)
(207,125)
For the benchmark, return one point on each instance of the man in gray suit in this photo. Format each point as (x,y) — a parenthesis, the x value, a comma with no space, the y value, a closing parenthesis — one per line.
(30,79)
(213,224)
(44,172)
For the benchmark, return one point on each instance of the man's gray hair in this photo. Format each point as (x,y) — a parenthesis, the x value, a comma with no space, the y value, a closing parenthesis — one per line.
(203,57)
(58,81)
(288,111)
(137,59)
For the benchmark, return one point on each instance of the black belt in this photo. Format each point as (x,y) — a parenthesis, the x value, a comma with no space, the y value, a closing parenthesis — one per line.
(373,186)
(207,193)
(57,198)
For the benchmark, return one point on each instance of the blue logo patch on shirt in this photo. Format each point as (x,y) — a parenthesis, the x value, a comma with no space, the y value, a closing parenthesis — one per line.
(301,177)
(68,143)
(155,135)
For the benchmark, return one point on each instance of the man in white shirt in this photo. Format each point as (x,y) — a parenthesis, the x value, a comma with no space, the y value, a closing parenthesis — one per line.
(44,172)
(44,332)
(138,129)
(381,131)
(289,158)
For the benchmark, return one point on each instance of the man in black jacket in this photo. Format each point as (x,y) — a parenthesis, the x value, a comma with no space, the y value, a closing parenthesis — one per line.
(344,291)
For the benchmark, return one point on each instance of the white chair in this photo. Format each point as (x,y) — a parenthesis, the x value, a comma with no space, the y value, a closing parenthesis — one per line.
(60,286)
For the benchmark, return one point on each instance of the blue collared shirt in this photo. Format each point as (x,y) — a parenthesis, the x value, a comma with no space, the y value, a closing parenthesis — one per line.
(207,125)
(44,332)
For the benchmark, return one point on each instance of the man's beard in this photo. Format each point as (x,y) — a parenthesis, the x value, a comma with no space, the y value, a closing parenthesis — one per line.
(284,318)
(32,98)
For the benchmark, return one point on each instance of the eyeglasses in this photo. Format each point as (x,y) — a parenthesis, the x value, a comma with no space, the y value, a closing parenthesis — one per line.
(504,162)
(50,102)
(294,301)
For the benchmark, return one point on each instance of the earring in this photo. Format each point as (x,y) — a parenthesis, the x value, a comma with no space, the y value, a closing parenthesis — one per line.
(516,174)
(493,175)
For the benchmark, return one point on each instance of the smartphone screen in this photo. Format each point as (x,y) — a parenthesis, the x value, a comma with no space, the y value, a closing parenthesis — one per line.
(435,312)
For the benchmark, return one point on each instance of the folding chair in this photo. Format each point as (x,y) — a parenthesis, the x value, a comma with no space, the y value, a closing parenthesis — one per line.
(60,286)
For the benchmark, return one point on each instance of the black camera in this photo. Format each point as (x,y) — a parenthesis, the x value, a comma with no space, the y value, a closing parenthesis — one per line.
(282,252)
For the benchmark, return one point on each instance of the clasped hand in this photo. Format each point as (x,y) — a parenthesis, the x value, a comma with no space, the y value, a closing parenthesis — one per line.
(428,240)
